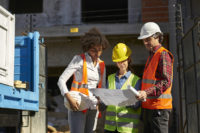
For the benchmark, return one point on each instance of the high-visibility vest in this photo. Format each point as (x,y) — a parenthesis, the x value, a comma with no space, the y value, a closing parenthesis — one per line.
(83,86)
(122,119)
(164,101)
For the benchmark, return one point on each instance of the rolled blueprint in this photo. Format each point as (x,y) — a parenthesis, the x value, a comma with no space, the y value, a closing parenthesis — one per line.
(133,90)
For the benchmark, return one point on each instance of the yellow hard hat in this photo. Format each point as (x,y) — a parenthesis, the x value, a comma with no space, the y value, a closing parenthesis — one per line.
(121,52)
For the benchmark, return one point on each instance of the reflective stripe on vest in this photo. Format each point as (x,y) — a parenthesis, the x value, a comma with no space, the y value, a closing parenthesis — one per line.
(122,124)
(124,115)
(79,85)
(164,96)
(83,86)
(164,101)
(122,119)
(148,81)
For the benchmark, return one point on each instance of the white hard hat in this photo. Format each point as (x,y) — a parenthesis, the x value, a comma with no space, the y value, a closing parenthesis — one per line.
(148,29)
(83,100)
(76,95)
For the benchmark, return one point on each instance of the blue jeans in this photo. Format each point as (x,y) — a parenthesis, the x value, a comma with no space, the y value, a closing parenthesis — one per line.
(80,122)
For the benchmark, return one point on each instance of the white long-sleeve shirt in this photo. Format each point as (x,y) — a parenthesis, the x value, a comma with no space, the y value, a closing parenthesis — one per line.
(76,67)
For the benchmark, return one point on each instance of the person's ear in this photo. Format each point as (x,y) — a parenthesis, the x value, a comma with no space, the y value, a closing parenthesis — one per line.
(129,59)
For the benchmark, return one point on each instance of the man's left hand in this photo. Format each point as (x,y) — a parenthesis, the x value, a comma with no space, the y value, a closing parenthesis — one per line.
(142,96)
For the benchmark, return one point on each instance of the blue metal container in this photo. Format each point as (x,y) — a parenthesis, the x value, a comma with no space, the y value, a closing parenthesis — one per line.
(26,69)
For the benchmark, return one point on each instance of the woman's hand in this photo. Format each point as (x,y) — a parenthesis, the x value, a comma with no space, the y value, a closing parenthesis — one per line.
(73,103)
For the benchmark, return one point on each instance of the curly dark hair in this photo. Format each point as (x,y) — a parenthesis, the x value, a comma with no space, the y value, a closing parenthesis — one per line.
(160,36)
(93,37)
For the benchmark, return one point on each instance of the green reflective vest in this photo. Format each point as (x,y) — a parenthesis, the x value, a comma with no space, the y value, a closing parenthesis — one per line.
(125,120)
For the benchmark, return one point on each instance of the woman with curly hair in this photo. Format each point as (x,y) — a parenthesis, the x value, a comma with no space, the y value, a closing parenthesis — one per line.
(89,72)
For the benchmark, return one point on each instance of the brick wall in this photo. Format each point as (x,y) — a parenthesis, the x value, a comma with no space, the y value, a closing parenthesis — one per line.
(155,10)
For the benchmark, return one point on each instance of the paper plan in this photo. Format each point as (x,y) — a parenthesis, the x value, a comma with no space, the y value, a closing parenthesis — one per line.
(115,97)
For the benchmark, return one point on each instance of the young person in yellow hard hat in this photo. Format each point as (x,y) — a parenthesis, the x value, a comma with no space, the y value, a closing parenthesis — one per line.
(122,119)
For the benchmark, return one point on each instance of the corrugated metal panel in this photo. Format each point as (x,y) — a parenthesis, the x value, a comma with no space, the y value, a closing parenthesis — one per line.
(196,35)
(198,88)
(190,80)
(190,86)
(188,51)
(23,59)
(192,124)
(195,8)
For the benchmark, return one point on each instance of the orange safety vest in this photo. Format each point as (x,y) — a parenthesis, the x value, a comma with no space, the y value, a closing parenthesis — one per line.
(164,101)
(83,86)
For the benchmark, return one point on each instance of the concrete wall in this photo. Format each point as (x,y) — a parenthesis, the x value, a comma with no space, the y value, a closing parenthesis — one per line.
(58,12)
(65,12)
(4,3)
(134,12)
(67,47)
(55,13)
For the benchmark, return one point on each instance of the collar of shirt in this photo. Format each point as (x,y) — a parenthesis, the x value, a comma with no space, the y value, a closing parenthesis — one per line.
(89,59)
(88,56)
(124,76)
(119,82)
(155,49)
